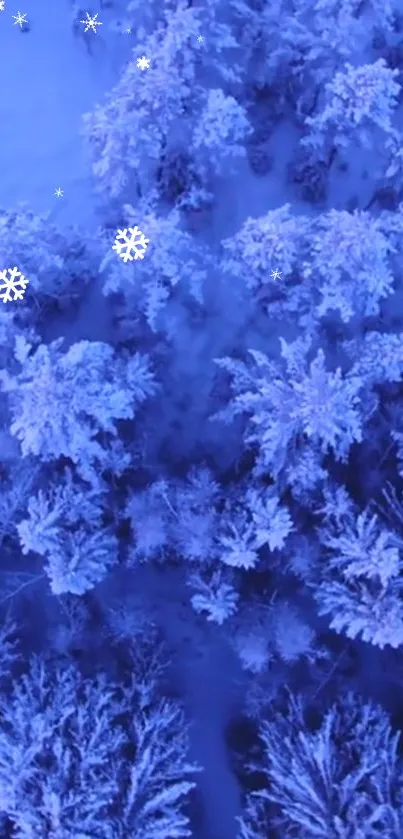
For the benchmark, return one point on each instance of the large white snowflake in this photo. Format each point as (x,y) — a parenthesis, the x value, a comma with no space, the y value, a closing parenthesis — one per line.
(133,244)
(91,22)
(15,283)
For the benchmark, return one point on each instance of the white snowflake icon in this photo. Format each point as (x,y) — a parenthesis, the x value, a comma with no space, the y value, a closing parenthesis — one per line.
(91,22)
(20,19)
(15,283)
(143,63)
(58,192)
(276,274)
(2,5)
(132,240)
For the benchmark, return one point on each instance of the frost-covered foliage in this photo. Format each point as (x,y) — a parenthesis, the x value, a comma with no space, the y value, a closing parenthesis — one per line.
(172,260)
(340,778)
(9,651)
(128,134)
(175,516)
(203,524)
(57,262)
(350,262)
(81,758)
(356,100)
(221,131)
(264,245)
(62,402)
(214,597)
(377,356)
(64,525)
(362,589)
(255,521)
(292,401)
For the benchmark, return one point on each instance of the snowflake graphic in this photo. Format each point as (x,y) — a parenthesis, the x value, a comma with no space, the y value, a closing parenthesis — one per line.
(200,38)
(132,240)
(2,5)
(143,63)
(20,19)
(14,284)
(59,192)
(276,274)
(91,22)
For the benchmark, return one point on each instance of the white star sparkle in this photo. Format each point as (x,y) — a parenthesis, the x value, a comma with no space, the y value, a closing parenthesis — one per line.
(59,192)
(143,63)
(91,22)
(200,38)
(20,19)
(2,5)
(275,274)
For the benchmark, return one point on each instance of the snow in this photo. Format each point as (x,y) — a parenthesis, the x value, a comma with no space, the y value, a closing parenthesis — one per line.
(49,82)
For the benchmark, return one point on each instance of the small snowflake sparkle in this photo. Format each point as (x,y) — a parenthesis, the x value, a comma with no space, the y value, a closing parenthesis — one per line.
(143,63)
(275,274)
(59,192)
(20,19)
(2,5)
(91,22)
(13,284)
(200,38)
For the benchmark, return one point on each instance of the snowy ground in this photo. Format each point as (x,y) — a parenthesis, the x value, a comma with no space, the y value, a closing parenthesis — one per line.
(48,81)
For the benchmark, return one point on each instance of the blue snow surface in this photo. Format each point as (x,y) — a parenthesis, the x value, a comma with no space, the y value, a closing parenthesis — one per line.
(201,447)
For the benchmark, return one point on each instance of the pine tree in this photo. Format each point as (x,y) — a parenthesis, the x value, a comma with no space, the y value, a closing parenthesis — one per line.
(357,99)
(340,778)
(85,759)
(60,402)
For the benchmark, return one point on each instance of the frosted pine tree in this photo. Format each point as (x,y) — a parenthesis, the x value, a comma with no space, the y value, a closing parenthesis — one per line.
(274,242)
(356,100)
(220,132)
(79,754)
(60,402)
(361,591)
(340,777)
(296,399)
(350,263)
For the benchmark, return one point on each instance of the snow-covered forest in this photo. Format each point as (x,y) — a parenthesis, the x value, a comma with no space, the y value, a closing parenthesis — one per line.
(201,439)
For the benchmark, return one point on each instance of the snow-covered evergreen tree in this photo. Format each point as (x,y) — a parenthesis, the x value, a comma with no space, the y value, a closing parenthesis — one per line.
(81,758)
(58,262)
(220,132)
(292,401)
(172,260)
(356,100)
(340,778)
(272,243)
(62,402)
(362,588)
(350,262)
